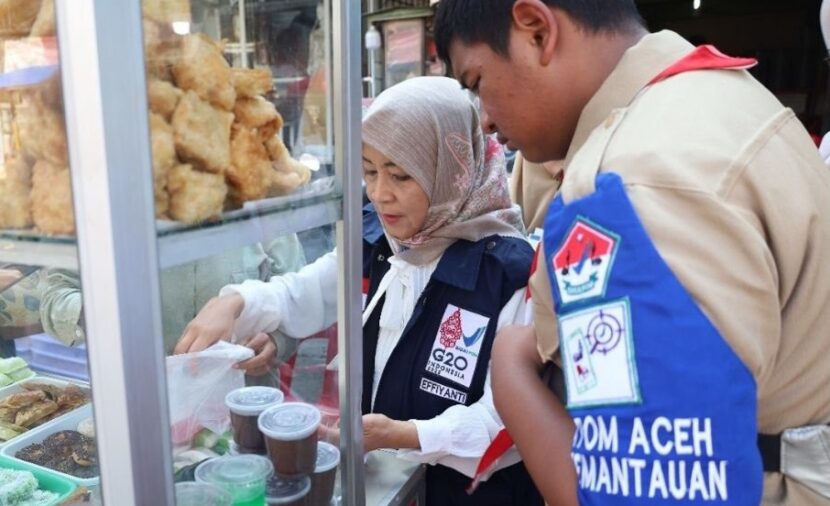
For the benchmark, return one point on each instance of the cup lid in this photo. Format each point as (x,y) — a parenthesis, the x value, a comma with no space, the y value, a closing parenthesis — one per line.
(201,494)
(328,456)
(251,401)
(285,489)
(289,421)
(234,470)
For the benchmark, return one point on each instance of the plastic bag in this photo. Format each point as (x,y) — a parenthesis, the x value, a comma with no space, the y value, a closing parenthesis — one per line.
(197,384)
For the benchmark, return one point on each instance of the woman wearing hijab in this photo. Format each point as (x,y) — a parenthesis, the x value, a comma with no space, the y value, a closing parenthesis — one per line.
(445,267)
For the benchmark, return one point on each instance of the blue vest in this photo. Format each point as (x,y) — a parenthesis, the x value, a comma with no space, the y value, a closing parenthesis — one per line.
(443,355)
(665,411)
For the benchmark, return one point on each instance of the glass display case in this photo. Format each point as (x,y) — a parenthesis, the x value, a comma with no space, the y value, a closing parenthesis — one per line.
(154,154)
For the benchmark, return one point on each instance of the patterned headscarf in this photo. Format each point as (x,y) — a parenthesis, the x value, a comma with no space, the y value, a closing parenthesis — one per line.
(430,129)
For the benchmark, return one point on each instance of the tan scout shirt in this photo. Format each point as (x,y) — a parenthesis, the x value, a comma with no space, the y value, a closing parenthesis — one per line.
(736,199)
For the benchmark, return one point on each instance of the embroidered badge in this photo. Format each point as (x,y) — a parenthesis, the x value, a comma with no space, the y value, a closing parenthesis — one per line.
(598,356)
(582,265)
(444,391)
(455,351)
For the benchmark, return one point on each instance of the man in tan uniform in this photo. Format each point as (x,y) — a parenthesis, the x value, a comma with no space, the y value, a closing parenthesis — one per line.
(724,180)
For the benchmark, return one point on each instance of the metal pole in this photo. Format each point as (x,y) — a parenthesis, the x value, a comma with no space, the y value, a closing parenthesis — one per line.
(347,95)
(102,60)
(243,33)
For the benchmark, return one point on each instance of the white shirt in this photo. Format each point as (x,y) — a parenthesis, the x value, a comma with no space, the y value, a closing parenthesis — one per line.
(456,438)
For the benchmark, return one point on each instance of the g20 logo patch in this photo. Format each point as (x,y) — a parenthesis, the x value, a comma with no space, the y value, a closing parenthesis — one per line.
(582,265)
(457,344)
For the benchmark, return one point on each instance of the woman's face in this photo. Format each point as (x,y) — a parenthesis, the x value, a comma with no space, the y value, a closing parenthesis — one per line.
(400,202)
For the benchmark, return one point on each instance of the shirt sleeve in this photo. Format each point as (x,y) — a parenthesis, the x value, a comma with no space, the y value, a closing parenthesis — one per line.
(297,304)
(458,437)
(60,306)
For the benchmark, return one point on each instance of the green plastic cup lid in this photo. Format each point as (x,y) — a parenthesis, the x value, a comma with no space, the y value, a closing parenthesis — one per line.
(251,401)
(290,421)
(234,470)
(285,490)
(328,456)
(201,494)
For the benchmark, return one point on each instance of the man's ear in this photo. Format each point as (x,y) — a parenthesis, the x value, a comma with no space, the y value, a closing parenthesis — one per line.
(535,20)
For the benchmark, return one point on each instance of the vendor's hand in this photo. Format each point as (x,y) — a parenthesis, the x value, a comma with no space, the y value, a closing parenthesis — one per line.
(213,323)
(379,431)
(264,353)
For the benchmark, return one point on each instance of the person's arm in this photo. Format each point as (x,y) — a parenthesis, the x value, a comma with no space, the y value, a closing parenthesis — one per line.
(298,304)
(535,418)
(61,307)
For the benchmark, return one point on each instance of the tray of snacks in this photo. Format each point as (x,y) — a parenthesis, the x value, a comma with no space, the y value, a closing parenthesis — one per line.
(22,483)
(65,447)
(35,402)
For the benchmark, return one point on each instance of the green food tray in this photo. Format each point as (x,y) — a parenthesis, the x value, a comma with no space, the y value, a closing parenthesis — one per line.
(45,479)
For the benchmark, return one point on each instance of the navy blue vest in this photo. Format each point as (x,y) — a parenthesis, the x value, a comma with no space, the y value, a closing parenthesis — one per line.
(442,357)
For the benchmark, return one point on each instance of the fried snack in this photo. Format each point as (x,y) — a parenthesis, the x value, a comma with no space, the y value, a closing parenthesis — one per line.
(202,134)
(203,69)
(162,49)
(249,175)
(41,131)
(17,17)
(166,11)
(252,83)
(289,174)
(52,199)
(15,204)
(164,158)
(195,196)
(45,22)
(30,415)
(255,112)
(163,97)
(51,92)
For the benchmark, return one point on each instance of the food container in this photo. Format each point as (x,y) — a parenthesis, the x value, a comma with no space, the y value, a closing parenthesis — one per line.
(68,421)
(242,476)
(245,405)
(290,431)
(18,388)
(46,480)
(201,494)
(322,481)
(288,490)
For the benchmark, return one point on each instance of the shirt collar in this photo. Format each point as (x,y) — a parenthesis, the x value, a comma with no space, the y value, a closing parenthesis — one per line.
(639,64)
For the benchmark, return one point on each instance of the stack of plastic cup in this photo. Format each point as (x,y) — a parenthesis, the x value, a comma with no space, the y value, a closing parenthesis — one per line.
(242,476)
(201,494)
(290,432)
(322,481)
(245,405)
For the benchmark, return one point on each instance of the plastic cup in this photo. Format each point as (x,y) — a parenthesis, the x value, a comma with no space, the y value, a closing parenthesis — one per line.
(290,431)
(322,481)
(242,476)
(287,490)
(245,405)
(201,494)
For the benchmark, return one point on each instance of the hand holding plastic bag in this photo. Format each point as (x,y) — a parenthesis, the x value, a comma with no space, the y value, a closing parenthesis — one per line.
(197,384)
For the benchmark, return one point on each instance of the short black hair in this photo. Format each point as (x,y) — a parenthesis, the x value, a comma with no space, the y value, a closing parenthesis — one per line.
(489,21)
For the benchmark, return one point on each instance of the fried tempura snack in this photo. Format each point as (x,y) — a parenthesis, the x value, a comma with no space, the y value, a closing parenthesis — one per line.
(249,175)
(204,70)
(252,82)
(15,204)
(202,134)
(52,199)
(195,196)
(163,97)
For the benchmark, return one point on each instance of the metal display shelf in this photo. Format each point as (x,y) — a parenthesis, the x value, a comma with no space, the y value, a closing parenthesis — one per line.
(391,481)
(179,244)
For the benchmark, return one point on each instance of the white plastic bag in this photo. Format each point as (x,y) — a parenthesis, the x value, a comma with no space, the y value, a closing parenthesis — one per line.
(197,384)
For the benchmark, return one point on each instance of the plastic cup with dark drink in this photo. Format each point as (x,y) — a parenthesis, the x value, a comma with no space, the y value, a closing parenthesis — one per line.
(242,476)
(245,405)
(322,481)
(287,490)
(290,432)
